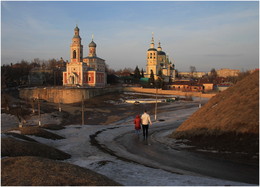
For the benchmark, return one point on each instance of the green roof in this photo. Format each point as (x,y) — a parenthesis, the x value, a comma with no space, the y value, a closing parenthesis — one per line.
(144,79)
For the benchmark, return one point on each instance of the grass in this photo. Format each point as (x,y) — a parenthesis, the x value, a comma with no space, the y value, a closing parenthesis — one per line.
(26,162)
(230,119)
(13,147)
(37,171)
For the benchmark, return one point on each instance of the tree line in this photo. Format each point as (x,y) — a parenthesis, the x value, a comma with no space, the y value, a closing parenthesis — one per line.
(17,74)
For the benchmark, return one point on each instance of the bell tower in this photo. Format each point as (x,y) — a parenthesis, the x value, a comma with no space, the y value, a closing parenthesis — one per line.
(76,49)
(92,48)
(151,61)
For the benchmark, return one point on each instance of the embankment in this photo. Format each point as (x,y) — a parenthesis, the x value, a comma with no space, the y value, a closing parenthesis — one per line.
(167,92)
(228,120)
(63,94)
(73,95)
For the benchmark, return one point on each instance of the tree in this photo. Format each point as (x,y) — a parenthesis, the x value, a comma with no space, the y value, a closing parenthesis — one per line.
(160,74)
(142,73)
(192,70)
(159,81)
(213,75)
(151,79)
(137,74)
(177,74)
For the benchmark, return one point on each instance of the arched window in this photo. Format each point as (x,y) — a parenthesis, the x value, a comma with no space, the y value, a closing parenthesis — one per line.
(74,54)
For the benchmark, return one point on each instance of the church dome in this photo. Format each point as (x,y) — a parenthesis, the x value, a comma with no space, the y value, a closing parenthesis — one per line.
(152,49)
(92,44)
(76,36)
(76,28)
(161,53)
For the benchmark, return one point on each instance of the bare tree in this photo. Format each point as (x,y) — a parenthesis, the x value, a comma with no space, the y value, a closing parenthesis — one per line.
(192,70)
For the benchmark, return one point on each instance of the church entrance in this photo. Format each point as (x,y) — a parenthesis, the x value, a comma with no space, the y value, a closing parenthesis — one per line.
(74,79)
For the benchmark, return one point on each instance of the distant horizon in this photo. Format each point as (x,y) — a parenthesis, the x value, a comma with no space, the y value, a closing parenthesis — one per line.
(206,35)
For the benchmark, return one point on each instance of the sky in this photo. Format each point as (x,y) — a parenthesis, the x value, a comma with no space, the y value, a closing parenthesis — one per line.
(203,34)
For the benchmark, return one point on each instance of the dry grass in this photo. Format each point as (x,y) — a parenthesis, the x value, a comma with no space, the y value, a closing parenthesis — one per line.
(234,110)
(36,171)
(20,136)
(52,127)
(27,163)
(38,131)
(230,119)
(14,147)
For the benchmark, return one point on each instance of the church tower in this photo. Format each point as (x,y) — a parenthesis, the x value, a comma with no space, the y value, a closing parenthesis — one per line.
(92,48)
(161,55)
(151,59)
(76,49)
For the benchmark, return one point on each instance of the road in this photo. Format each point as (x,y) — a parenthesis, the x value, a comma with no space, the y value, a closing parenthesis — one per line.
(158,153)
(177,160)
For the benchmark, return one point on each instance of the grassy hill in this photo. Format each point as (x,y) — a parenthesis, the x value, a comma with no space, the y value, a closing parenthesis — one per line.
(229,121)
(26,162)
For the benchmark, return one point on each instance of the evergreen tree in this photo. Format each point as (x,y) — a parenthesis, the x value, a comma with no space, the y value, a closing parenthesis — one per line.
(159,81)
(137,74)
(142,73)
(151,79)
(160,73)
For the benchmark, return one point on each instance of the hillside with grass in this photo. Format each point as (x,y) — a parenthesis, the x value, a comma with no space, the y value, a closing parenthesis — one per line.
(229,121)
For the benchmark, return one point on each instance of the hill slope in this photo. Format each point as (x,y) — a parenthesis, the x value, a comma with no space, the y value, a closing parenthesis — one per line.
(231,118)
(38,171)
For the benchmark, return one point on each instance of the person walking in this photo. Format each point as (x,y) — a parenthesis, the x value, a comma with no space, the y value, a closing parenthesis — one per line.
(137,123)
(146,121)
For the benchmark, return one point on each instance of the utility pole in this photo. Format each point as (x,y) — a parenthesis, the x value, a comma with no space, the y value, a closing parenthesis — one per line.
(82,108)
(155,113)
(32,102)
(59,101)
(59,106)
(39,109)
(200,100)
(54,76)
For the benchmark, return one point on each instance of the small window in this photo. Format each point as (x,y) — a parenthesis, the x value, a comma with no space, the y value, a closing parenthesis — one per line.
(74,54)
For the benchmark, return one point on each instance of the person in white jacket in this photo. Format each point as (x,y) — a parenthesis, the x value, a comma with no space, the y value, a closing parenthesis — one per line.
(146,121)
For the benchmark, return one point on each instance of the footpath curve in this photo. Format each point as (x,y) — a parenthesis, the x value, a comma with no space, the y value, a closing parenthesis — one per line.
(121,142)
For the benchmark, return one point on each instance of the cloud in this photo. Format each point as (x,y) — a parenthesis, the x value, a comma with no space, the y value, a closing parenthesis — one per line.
(190,32)
(224,55)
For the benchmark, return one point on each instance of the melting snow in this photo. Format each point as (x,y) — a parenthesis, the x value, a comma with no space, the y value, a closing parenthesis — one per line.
(77,143)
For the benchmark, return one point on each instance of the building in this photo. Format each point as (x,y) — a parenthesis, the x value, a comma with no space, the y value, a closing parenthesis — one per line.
(158,62)
(227,72)
(84,71)
(191,74)
(191,86)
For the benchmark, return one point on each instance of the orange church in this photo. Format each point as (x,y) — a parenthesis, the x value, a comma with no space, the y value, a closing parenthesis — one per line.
(86,72)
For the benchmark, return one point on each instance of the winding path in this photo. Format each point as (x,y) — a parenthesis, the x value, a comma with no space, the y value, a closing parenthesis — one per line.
(157,153)
(170,158)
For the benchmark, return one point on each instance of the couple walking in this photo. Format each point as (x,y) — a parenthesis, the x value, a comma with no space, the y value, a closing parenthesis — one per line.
(145,121)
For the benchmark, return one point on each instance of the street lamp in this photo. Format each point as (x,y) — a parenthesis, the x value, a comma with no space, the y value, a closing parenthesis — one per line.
(82,108)
(155,112)
(200,101)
